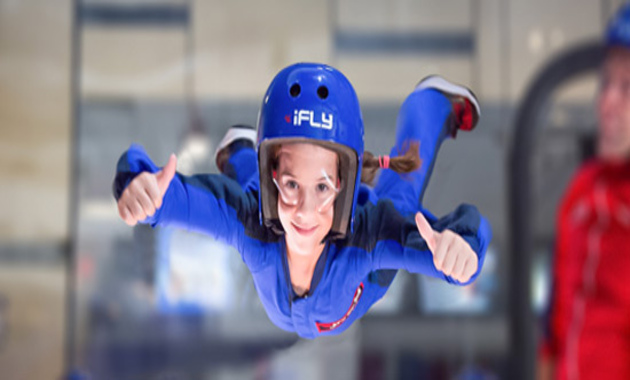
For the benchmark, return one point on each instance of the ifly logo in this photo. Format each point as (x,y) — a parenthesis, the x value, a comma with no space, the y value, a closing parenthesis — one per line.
(325,121)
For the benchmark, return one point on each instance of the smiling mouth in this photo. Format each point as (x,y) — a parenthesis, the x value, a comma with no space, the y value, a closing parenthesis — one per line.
(304,231)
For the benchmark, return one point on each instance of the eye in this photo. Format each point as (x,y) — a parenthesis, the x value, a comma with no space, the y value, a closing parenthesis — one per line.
(322,187)
(290,184)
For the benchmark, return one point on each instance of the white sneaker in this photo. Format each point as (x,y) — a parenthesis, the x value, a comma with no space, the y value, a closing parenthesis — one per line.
(235,133)
(465,104)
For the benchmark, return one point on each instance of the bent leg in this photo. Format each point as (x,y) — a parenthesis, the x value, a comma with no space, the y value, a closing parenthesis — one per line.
(426,116)
(242,166)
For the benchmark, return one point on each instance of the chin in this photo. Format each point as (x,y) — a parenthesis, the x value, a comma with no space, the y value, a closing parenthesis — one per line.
(611,151)
(304,243)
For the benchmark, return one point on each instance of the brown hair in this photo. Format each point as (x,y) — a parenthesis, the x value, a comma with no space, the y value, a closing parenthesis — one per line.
(404,163)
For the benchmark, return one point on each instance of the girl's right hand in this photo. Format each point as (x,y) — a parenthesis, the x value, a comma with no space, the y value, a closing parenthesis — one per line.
(144,193)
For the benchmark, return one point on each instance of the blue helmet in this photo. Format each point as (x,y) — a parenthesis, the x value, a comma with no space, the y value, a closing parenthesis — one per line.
(312,103)
(618,30)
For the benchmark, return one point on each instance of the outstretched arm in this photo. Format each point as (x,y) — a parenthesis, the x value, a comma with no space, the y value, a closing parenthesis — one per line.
(452,255)
(452,248)
(210,204)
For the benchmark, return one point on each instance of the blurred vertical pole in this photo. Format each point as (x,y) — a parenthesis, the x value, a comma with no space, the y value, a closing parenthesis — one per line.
(504,16)
(71,259)
(475,71)
(332,29)
(194,118)
(520,314)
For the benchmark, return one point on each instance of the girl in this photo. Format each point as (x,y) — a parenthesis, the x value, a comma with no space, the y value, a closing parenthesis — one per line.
(321,248)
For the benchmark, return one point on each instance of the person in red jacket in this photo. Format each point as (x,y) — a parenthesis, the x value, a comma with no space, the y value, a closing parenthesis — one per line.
(589,326)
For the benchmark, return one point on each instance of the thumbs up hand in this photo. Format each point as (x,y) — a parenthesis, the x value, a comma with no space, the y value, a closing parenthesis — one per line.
(451,253)
(145,192)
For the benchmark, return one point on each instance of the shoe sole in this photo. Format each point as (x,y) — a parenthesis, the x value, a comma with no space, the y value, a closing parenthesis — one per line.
(233,134)
(441,84)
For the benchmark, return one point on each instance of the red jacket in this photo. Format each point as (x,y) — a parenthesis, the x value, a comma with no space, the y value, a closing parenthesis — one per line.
(590,313)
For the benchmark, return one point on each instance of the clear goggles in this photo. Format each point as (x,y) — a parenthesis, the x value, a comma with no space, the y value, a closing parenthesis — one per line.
(292,193)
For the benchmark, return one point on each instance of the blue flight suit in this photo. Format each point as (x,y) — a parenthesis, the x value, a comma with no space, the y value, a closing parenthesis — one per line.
(352,273)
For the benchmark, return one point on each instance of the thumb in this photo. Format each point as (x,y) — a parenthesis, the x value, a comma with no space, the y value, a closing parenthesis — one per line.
(427,233)
(167,173)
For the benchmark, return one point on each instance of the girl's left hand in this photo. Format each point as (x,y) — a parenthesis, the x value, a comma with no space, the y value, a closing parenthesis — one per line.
(451,253)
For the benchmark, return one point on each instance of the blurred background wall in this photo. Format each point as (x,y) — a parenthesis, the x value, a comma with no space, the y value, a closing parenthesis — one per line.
(239,47)
(384,47)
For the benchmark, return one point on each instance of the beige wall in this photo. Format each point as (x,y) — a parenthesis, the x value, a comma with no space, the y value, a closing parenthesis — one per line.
(239,47)
(241,44)
(541,29)
(34,119)
(33,348)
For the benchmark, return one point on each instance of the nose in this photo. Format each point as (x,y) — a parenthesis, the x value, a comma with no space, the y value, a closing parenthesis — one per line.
(307,205)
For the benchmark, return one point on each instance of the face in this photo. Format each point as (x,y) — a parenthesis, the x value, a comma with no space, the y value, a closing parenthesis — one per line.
(307,179)
(613,107)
